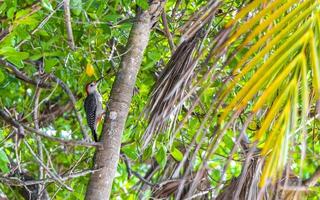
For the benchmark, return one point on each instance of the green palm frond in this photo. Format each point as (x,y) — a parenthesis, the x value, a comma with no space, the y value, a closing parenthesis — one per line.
(276,75)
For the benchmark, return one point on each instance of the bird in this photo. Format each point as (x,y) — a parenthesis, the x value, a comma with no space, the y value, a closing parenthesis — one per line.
(93,107)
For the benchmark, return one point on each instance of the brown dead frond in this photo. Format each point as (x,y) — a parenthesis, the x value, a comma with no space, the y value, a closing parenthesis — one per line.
(170,88)
(170,188)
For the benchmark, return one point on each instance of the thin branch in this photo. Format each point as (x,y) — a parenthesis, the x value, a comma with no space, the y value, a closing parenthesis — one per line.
(55,112)
(306,183)
(13,181)
(73,100)
(20,75)
(295,188)
(53,175)
(167,31)
(16,124)
(39,142)
(176,6)
(67,20)
(130,171)
(197,195)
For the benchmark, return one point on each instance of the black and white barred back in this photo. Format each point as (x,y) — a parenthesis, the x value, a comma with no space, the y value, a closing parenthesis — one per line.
(90,106)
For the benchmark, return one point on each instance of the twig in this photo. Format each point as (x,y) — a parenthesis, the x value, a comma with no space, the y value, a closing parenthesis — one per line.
(130,171)
(126,162)
(13,181)
(16,124)
(73,100)
(295,188)
(55,112)
(20,75)
(112,50)
(167,31)
(197,195)
(306,183)
(176,6)
(39,142)
(67,20)
(53,175)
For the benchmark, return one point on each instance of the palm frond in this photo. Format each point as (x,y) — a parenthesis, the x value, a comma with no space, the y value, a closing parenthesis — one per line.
(267,61)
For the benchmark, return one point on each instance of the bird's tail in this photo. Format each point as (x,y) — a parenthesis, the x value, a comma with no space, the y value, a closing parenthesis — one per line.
(94,133)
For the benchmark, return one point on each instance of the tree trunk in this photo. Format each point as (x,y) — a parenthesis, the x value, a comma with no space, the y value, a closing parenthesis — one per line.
(100,183)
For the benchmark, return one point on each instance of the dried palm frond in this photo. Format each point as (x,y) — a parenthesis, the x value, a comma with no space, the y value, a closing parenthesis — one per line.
(246,185)
(202,16)
(170,88)
(168,94)
(170,187)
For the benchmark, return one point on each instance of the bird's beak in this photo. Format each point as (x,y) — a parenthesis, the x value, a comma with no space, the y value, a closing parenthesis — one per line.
(99,79)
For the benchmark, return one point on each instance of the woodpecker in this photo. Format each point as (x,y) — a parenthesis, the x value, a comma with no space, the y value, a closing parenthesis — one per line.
(93,107)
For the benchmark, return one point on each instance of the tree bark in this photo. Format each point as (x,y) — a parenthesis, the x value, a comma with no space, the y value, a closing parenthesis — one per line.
(100,183)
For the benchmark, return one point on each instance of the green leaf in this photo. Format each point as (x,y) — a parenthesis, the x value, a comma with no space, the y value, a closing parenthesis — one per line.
(76,7)
(147,153)
(50,63)
(22,13)
(161,156)
(14,56)
(154,55)
(4,162)
(149,65)
(2,76)
(46,4)
(112,17)
(3,7)
(130,151)
(176,154)
(143,4)
(10,12)
(26,21)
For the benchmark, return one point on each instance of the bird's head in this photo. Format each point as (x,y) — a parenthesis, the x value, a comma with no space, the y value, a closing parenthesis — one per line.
(91,87)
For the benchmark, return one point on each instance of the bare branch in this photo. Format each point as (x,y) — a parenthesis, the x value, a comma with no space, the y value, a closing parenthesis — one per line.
(130,171)
(53,175)
(39,142)
(20,75)
(16,124)
(73,100)
(55,112)
(13,181)
(67,20)
(176,6)
(167,30)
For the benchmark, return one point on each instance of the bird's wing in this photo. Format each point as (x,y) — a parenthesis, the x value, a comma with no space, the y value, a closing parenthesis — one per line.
(90,105)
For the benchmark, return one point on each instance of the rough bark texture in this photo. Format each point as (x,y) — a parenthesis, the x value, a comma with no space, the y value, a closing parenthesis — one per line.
(100,183)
